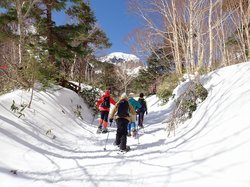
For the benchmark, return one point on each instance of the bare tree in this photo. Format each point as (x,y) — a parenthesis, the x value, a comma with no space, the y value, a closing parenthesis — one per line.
(210,34)
(125,74)
(192,29)
(240,37)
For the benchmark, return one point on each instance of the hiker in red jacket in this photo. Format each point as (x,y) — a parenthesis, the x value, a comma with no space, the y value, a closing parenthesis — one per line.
(103,104)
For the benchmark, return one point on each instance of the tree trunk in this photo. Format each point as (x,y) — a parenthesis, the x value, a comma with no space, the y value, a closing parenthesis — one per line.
(72,68)
(191,35)
(20,30)
(49,31)
(210,60)
(176,51)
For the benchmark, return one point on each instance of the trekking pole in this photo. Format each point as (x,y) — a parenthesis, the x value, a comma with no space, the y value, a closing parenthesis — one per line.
(142,126)
(106,141)
(93,119)
(138,134)
(110,124)
(143,129)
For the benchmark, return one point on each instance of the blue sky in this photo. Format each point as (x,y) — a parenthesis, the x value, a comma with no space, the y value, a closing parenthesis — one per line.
(113,18)
(115,21)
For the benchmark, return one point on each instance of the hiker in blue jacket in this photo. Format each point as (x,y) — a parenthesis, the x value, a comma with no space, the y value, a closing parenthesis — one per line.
(136,105)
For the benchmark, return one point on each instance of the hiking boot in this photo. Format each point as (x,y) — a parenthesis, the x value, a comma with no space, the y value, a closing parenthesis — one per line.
(99,129)
(125,150)
(141,126)
(129,134)
(105,130)
(134,133)
(118,145)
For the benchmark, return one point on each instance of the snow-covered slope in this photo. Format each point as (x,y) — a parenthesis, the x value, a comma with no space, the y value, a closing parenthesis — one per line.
(211,149)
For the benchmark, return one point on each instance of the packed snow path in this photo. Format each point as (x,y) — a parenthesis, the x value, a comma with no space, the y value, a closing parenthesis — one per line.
(211,149)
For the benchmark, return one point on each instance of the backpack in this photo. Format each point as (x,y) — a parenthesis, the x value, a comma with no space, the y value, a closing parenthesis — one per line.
(143,104)
(106,103)
(123,107)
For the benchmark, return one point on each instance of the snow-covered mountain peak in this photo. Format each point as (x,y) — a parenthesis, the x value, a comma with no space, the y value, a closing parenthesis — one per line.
(128,62)
(119,57)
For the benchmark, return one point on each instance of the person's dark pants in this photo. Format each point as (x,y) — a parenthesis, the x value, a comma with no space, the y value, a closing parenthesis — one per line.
(104,119)
(121,133)
(141,117)
(104,115)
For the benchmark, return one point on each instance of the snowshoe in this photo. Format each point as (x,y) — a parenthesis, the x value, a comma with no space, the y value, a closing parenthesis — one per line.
(134,133)
(104,130)
(99,130)
(141,126)
(125,150)
(116,144)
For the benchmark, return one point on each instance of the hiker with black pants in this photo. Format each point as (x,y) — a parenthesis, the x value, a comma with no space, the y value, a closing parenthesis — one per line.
(142,110)
(121,112)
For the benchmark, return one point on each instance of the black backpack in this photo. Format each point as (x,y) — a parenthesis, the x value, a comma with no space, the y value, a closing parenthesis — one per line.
(143,104)
(123,108)
(106,103)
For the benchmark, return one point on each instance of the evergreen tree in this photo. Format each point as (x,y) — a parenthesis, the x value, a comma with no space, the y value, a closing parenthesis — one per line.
(108,76)
(51,45)
(64,43)
(46,26)
(6,20)
(160,63)
(141,83)
(88,36)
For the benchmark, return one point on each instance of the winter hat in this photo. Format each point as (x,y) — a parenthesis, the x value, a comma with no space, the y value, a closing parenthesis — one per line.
(124,96)
(106,93)
(131,95)
(141,95)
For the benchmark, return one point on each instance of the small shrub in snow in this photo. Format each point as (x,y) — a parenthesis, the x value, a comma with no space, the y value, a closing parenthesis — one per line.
(90,96)
(18,110)
(50,134)
(186,104)
(77,111)
(165,90)
(201,92)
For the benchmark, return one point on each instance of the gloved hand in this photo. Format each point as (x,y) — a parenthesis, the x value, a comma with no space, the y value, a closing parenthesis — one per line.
(146,112)
(110,120)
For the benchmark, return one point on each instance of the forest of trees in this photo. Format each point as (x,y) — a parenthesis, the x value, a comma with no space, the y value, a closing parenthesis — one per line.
(188,36)
(35,48)
(195,35)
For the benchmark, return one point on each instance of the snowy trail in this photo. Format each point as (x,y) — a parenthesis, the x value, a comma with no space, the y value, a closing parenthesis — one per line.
(211,149)
(76,156)
(131,166)
(85,162)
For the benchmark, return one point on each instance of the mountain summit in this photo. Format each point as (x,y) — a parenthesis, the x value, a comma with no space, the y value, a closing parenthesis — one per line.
(119,57)
(129,63)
